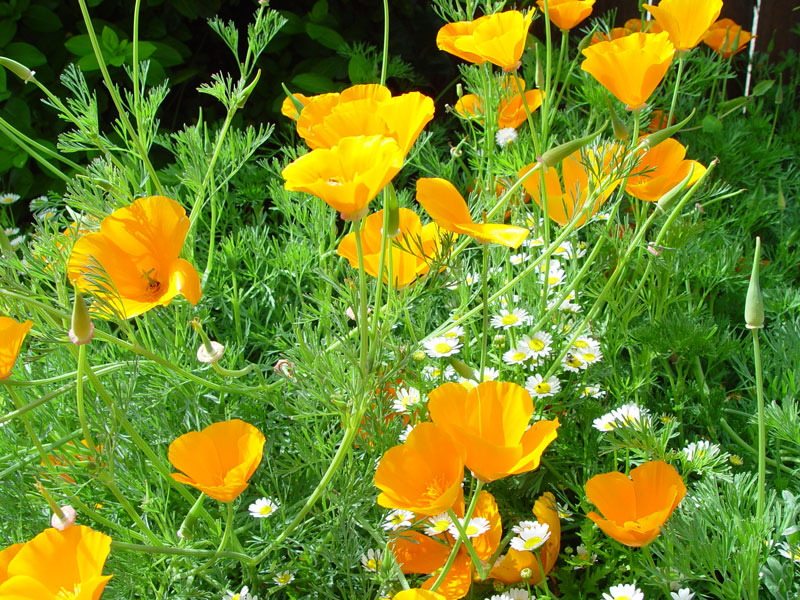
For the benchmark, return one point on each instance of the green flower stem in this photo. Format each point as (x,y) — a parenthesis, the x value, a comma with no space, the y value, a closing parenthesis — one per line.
(87,435)
(116,99)
(529,117)
(363,325)
(226,536)
(543,583)
(745,446)
(500,547)
(135,63)
(27,424)
(109,482)
(458,542)
(83,509)
(485,306)
(385,241)
(15,134)
(762,430)
(16,466)
(462,534)
(681,62)
(385,59)
(548,74)
(22,142)
(198,200)
(178,551)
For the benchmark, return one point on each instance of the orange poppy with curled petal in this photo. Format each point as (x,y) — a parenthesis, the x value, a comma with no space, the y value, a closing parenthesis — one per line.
(491,422)
(512,113)
(566,14)
(219,460)
(417,594)
(349,175)
(422,475)
(498,38)
(413,249)
(592,172)
(12,334)
(288,108)
(630,67)
(686,21)
(726,38)
(469,106)
(131,265)
(634,508)
(56,565)
(508,569)
(447,207)
(368,109)
(660,169)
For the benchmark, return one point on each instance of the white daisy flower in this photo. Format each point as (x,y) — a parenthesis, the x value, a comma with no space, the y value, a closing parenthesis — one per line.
(516,317)
(629,414)
(454,332)
(538,344)
(563,513)
(564,249)
(449,373)
(263,508)
(505,136)
(789,552)
(531,538)
(468,384)
(472,278)
(605,423)
(585,342)
(589,356)
(398,519)
(592,391)
(570,307)
(682,594)
(406,399)
(547,266)
(625,591)
(8,198)
(554,277)
(701,449)
(504,300)
(372,560)
(583,556)
(11,230)
(518,259)
(517,594)
(490,374)
(476,527)
(406,431)
(516,355)
(16,241)
(243,595)
(284,578)
(441,346)
(537,242)
(438,524)
(539,387)
(573,363)
(522,526)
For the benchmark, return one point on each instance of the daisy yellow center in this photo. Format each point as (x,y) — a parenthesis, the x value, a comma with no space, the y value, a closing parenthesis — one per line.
(372,564)
(581,344)
(622,598)
(284,579)
(265,510)
(468,384)
(608,426)
(451,334)
(509,319)
(437,372)
(441,525)
(442,347)
(397,519)
(236,597)
(471,530)
(589,357)
(552,280)
(542,387)
(532,542)
(518,356)
(536,345)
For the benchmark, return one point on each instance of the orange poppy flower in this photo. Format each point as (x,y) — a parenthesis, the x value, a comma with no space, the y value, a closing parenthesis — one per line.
(512,112)
(508,570)
(635,508)
(422,475)
(490,422)
(639,26)
(364,110)
(412,250)
(131,265)
(447,207)
(219,460)
(658,121)
(417,594)
(630,67)
(469,106)
(348,176)
(12,334)
(566,14)
(686,21)
(498,38)
(726,38)
(614,34)
(581,174)
(56,564)
(288,109)
(660,169)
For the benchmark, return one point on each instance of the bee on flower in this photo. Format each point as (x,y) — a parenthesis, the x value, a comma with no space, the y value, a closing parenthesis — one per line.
(539,387)
(398,519)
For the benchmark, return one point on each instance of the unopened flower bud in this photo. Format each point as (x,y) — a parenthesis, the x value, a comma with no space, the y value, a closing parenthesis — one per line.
(654,139)
(459,90)
(462,368)
(82,329)
(418,356)
(754,304)
(526,573)
(781,197)
(66,520)
(210,352)
(298,106)
(621,131)
(499,341)
(586,41)
(392,212)
(284,368)
(556,155)
(17,69)
(245,93)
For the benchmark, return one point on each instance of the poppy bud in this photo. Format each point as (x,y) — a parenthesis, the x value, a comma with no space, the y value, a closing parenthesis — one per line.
(66,520)
(245,93)
(667,199)
(210,352)
(17,69)
(459,90)
(82,329)
(526,573)
(556,155)
(754,304)
(462,368)
(654,139)
(781,197)
(621,131)
(298,106)
(779,95)
(586,40)
(392,212)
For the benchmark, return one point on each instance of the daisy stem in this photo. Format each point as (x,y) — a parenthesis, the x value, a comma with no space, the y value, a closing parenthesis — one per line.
(681,61)
(385,60)
(385,241)
(362,299)
(762,430)
(529,116)
(226,535)
(458,542)
(543,582)
(485,304)
(548,78)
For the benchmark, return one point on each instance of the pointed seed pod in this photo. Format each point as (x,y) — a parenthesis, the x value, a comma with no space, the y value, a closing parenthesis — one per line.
(754,304)
(82,329)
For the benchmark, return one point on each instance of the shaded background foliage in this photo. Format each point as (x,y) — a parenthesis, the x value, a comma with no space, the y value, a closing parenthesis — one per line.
(325,46)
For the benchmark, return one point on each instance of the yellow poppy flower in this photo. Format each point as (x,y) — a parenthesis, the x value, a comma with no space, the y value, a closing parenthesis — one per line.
(288,109)
(131,265)
(364,110)
(686,21)
(726,38)
(349,175)
(498,38)
(630,67)
(447,207)
(56,565)
(660,169)
(12,334)
(566,14)
(218,460)
(413,249)
(582,174)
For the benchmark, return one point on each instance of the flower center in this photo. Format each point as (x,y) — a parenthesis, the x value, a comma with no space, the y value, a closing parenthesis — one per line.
(64,594)
(518,356)
(588,356)
(581,344)
(333,181)
(441,525)
(442,347)
(532,542)
(536,345)
(372,564)
(509,319)
(397,519)
(471,530)
(265,510)
(542,387)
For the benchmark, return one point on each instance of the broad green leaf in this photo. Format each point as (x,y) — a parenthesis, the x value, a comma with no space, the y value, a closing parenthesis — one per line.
(80,45)
(39,18)
(326,36)
(24,53)
(313,83)
(762,87)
